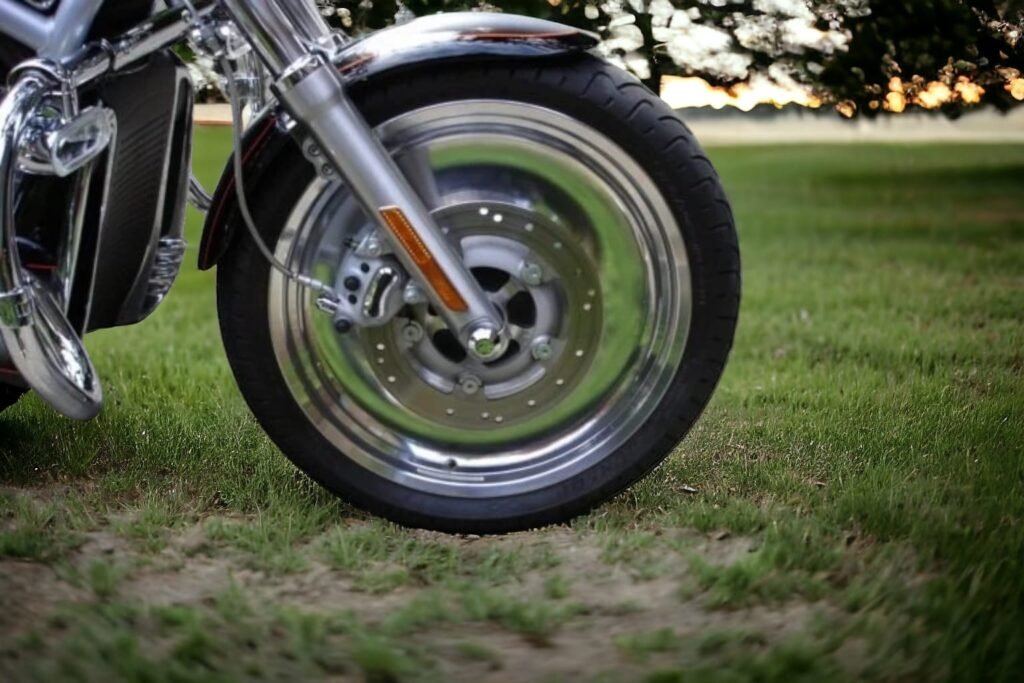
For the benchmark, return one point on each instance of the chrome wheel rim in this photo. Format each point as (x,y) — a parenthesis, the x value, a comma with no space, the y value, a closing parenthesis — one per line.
(572,241)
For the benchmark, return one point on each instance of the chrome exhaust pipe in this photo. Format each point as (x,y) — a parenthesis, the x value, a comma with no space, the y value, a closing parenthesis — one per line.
(40,341)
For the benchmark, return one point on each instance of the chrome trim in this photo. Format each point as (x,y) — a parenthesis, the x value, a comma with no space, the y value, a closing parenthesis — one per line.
(160,31)
(170,253)
(105,179)
(272,33)
(457,34)
(61,36)
(16,110)
(62,146)
(67,262)
(198,197)
(42,344)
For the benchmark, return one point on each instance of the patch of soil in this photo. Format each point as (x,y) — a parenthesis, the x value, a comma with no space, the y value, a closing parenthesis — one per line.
(29,592)
(615,601)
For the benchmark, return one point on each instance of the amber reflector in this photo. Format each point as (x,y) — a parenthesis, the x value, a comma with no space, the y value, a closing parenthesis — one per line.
(421,256)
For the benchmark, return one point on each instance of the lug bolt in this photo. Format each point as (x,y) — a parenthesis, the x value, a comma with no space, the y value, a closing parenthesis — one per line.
(470,384)
(413,294)
(342,325)
(531,273)
(352,283)
(412,333)
(541,349)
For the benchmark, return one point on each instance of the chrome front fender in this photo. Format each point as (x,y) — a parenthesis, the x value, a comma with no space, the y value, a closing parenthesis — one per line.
(454,37)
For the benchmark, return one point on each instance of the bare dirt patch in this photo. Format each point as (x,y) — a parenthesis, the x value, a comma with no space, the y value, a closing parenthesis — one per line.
(600,602)
(29,591)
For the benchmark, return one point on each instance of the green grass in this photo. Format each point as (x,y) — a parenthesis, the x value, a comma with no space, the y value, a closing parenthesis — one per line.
(379,550)
(867,442)
(642,644)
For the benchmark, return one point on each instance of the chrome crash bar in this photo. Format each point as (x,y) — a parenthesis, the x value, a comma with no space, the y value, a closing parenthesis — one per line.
(42,344)
(40,341)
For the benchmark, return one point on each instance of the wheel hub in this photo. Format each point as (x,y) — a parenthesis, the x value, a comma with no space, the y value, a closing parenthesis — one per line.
(542,285)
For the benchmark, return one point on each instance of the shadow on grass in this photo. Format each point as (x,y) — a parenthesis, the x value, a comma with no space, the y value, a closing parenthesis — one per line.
(985,179)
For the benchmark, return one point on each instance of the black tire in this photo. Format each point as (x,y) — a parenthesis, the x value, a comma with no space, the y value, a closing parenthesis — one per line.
(594,93)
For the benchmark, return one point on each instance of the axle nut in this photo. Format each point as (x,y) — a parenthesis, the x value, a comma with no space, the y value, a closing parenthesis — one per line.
(484,343)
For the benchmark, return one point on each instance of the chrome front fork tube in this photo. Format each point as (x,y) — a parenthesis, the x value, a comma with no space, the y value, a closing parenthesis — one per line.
(294,42)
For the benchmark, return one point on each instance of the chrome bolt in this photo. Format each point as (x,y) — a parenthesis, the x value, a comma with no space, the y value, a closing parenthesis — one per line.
(470,384)
(531,273)
(326,171)
(541,349)
(326,304)
(413,294)
(412,333)
(484,343)
(373,246)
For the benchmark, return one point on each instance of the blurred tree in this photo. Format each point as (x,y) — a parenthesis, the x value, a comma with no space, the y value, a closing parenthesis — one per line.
(913,52)
(863,55)
(358,16)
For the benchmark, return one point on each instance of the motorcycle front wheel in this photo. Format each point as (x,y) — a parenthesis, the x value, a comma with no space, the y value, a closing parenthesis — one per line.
(591,217)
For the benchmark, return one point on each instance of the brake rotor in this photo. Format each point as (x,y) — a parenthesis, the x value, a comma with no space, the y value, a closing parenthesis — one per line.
(539,281)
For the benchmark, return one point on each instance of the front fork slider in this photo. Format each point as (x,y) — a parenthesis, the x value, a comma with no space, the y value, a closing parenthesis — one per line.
(312,90)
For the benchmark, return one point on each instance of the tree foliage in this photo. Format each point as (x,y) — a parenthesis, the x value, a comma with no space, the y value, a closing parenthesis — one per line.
(865,56)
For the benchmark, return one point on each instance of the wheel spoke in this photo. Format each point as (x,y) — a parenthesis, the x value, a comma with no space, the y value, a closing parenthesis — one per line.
(505,294)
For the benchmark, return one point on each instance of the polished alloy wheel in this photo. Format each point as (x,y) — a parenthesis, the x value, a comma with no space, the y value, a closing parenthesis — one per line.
(576,249)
